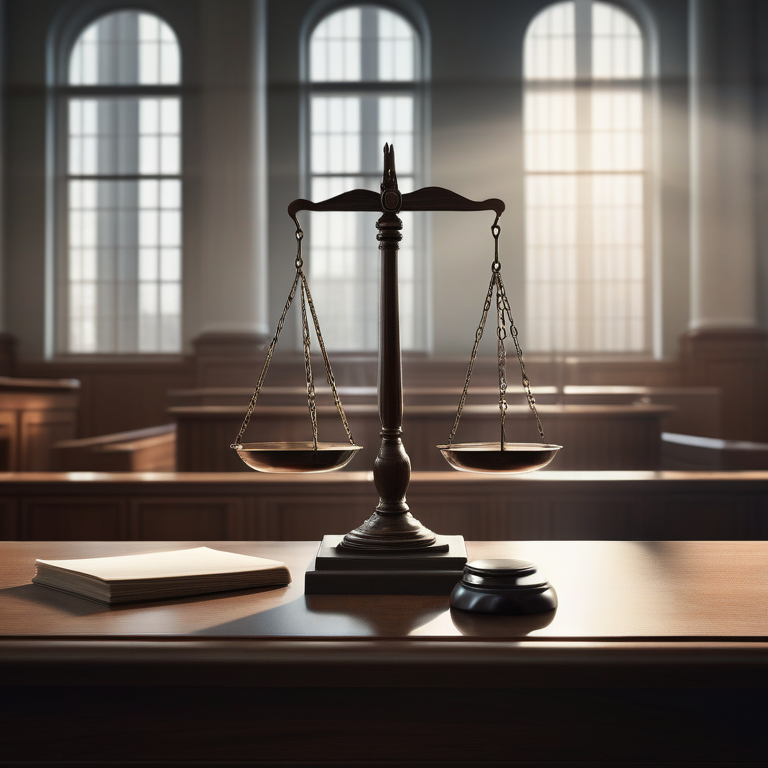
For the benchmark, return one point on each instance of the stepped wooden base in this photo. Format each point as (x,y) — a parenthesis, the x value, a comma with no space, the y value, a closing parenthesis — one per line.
(338,571)
(392,533)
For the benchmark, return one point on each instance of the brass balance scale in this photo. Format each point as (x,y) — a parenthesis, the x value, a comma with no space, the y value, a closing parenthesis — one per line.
(392,552)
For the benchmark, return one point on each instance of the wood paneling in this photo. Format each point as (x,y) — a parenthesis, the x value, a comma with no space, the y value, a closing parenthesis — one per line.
(34,414)
(421,371)
(595,437)
(159,518)
(72,517)
(118,395)
(228,359)
(549,506)
(39,432)
(7,354)
(313,518)
(736,360)
(9,520)
(696,409)
(9,441)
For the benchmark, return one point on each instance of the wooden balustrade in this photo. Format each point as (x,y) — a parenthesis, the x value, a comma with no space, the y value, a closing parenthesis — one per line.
(250,506)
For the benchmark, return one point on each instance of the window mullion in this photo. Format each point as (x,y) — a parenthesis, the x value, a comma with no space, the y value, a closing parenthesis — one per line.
(369,153)
(583,28)
(585,299)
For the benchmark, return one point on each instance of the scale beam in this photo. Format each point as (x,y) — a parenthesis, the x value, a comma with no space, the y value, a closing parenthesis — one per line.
(425,199)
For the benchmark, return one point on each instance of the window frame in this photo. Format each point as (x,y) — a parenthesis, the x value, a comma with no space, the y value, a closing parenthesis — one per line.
(645,86)
(418,88)
(60,93)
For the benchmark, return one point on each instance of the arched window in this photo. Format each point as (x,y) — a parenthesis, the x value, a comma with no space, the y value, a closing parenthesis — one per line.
(363,71)
(119,267)
(588,277)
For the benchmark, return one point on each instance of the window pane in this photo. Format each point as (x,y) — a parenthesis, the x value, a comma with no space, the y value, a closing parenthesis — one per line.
(123,290)
(346,137)
(336,147)
(396,43)
(126,48)
(550,49)
(586,277)
(335,47)
(616,44)
(363,43)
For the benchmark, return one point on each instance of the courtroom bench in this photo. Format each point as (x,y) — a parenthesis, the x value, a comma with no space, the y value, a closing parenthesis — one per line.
(595,437)
(34,414)
(152,449)
(691,452)
(697,410)
(252,506)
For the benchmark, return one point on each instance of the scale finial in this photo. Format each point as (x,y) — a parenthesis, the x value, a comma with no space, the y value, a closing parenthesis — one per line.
(391,199)
(389,164)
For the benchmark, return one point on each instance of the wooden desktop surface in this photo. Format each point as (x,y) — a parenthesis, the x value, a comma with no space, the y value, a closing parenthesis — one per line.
(643,599)
(657,654)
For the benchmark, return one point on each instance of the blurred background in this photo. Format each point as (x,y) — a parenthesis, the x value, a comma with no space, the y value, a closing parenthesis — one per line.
(149,154)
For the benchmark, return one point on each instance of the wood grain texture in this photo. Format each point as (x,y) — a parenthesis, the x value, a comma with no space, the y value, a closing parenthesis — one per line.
(151,449)
(736,360)
(698,591)
(34,414)
(118,395)
(546,505)
(596,437)
(663,640)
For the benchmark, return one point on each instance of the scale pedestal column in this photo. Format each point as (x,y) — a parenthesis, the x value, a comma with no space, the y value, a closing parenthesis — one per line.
(391,527)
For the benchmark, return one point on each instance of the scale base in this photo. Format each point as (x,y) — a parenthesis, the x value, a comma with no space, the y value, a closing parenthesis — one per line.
(339,571)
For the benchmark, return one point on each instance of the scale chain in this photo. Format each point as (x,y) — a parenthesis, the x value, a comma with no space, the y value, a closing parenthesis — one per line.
(501,333)
(308,363)
(328,372)
(270,350)
(502,308)
(472,358)
(514,334)
(311,399)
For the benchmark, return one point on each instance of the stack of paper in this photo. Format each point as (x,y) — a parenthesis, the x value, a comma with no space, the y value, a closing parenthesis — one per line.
(159,575)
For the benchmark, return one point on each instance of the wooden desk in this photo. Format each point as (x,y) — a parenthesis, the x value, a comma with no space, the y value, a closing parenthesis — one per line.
(34,414)
(658,654)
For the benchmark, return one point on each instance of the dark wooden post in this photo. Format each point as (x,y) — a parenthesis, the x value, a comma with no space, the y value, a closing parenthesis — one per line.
(391,527)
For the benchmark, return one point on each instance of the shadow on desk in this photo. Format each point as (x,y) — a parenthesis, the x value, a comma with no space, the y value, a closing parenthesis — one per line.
(325,616)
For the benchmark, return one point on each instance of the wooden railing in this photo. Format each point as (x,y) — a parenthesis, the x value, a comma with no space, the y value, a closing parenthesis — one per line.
(141,450)
(691,452)
(249,506)
(608,437)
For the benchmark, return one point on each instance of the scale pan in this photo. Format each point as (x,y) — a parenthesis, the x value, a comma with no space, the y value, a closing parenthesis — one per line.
(296,457)
(515,459)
